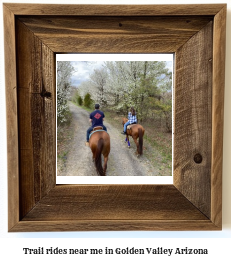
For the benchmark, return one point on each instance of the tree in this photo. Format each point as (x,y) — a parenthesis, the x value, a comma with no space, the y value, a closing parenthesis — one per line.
(98,82)
(80,100)
(87,100)
(165,106)
(64,72)
(141,84)
(133,83)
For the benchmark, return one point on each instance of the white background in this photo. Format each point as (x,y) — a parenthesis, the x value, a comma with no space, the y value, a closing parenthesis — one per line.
(218,243)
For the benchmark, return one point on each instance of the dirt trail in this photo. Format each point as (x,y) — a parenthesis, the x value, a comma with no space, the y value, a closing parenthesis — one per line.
(122,161)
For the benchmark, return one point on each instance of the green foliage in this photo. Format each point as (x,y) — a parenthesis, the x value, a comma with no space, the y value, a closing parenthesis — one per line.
(87,100)
(80,100)
(76,98)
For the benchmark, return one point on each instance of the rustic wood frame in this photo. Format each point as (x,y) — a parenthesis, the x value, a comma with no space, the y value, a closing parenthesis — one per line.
(196,34)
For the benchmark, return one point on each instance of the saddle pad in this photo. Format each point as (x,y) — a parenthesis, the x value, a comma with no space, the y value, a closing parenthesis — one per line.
(129,126)
(94,132)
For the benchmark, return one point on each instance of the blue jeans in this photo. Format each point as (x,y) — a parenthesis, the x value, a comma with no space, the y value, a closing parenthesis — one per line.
(125,126)
(91,129)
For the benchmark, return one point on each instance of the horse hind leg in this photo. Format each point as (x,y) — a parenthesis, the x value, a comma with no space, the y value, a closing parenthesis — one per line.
(98,158)
(93,154)
(137,146)
(141,134)
(105,165)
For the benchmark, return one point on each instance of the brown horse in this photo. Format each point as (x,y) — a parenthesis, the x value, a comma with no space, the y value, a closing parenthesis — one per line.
(99,143)
(136,131)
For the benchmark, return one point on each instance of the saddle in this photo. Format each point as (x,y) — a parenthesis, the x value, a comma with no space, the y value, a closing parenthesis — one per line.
(130,125)
(97,128)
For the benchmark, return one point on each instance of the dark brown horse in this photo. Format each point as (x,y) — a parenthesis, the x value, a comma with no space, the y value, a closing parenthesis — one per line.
(99,143)
(136,131)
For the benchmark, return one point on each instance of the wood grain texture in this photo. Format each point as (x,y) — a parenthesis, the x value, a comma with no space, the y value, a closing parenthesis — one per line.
(111,207)
(115,10)
(36,106)
(108,202)
(114,34)
(194,201)
(193,125)
(114,225)
(218,114)
(11,115)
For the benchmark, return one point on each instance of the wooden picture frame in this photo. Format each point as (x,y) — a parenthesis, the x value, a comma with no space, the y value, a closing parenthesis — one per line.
(33,34)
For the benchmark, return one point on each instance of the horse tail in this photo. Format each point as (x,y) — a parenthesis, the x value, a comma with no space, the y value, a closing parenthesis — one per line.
(98,158)
(140,141)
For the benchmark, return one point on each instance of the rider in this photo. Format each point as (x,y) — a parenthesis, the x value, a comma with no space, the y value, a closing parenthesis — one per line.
(131,119)
(96,119)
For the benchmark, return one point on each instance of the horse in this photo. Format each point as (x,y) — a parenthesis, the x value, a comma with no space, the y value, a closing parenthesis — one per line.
(99,143)
(136,131)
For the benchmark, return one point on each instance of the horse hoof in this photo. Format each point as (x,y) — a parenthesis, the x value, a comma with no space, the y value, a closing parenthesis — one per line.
(129,147)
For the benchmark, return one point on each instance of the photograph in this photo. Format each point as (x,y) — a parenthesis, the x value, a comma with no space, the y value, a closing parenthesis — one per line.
(114,116)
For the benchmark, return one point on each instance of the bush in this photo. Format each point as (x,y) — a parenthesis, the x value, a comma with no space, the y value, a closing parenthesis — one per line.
(80,100)
(87,100)
(64,116)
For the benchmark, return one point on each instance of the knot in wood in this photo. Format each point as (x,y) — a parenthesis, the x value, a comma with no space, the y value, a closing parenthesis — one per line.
(45,94)
(198,158)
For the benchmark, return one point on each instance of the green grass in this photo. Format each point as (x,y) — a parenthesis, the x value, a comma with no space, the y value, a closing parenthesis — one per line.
(165,153)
